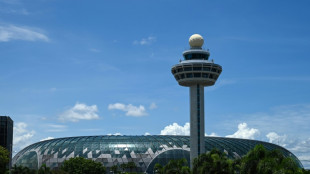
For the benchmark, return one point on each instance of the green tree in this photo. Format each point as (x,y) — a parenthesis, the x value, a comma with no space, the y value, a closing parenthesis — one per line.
(213,162)
(131,165)
(4,159)
(176,167)
(158,169)
(261,161)
(79,165)
(123,167)
(44,170)
(114,169)
(22,170)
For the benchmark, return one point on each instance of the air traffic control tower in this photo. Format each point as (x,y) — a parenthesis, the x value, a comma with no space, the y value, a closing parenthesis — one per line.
(196,71)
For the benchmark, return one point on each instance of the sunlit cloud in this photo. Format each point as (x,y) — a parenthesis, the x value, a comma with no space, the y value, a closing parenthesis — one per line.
(244,132)
(78,112)
(22,136)
(176,129)
(131,110)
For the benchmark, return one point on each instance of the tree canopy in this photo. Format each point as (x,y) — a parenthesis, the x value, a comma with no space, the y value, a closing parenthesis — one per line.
(81,165)
(4,159)
(214,162)
(257,161)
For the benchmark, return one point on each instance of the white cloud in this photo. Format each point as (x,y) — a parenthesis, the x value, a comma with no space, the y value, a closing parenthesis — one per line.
(115,134)
(175,129)
(279,119)
(47,138)
(211,135)
(276,139)
(146,133)
(22,136)
(299,147)
(131,110)
(145,41)
(302,146)
(11,32)
(244,132)
(289,122)
(78,112)
(56,128)
(153,106)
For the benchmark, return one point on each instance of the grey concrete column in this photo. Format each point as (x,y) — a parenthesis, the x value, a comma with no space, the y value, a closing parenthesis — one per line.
(197,121)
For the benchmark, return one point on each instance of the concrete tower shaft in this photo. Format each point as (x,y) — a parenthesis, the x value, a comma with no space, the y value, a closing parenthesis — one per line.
(196,72)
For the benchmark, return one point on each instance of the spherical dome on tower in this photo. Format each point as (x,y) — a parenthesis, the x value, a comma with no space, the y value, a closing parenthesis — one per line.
(196,40)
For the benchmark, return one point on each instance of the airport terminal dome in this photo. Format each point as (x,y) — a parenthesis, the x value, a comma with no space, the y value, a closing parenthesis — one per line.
(144,151)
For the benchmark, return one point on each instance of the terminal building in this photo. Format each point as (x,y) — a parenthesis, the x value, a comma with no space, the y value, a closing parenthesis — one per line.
(196,71)
(144,151)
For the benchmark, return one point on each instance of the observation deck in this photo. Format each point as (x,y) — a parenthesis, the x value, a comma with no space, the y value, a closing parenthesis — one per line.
(192,72)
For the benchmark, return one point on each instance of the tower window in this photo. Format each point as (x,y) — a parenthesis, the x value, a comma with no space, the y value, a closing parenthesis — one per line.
(205,75)
(182,76)
(197,74)
(180,69)
(188,57)
(189,75)
(188,69)
(199,56)
(206,68)
(197,68)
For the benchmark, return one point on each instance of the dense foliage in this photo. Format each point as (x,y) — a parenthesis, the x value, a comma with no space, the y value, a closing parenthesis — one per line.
(81,165)
(173,167)
(257,161)
(260,160)
(214,162)
(4,159)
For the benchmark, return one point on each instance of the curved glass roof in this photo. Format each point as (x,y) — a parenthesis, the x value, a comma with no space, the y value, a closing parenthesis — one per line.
(115,150)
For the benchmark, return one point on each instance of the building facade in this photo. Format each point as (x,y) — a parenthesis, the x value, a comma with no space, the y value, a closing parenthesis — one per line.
(6,134)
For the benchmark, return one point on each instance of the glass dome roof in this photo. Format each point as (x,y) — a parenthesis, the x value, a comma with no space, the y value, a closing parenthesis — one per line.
(144,151)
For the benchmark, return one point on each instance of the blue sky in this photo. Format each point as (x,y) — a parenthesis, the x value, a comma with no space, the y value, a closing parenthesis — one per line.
(71,68)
